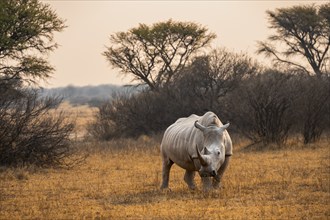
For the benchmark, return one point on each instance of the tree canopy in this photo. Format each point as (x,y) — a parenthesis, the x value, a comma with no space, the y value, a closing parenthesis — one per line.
(300,32)
(26,35)
(154,54)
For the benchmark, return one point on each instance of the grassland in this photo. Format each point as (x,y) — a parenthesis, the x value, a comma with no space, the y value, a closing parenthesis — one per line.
(121,179)
(82,115)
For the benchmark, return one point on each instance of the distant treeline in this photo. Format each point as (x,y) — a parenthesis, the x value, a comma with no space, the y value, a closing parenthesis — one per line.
(89,95)
(265,105)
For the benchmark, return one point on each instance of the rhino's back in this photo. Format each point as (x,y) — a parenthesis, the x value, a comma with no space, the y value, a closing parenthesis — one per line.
(179,140)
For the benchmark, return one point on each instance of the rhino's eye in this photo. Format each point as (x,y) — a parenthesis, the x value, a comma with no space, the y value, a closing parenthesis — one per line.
(218,152)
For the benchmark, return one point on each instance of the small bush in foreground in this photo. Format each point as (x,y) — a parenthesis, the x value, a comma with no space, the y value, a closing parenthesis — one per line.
(31,133)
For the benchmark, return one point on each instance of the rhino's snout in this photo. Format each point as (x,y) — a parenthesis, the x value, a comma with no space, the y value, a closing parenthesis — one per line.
(206,174)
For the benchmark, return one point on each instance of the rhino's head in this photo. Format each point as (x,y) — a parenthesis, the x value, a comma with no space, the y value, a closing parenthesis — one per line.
(212,155)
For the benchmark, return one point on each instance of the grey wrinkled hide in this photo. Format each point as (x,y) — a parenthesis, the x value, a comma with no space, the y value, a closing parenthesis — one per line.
(179,145)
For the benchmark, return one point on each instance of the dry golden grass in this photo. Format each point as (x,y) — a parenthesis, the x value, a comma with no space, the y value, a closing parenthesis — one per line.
(124,184)
(81,115)
(121,179)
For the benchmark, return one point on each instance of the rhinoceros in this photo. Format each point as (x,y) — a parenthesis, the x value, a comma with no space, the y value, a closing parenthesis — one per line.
(197,143)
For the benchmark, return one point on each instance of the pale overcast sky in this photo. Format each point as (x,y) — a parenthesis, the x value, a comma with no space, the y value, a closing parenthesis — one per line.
(78,60)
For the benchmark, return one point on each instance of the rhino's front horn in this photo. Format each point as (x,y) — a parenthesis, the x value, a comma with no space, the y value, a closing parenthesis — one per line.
(201,158)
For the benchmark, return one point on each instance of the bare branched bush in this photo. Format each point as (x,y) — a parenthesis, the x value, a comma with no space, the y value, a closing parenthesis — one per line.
(211,77)
(133,115)
(313,107)
(30,133)
(262,108)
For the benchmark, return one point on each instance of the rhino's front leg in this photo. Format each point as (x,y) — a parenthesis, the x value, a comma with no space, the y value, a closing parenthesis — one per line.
(222,169)
(167,164)
(189,179)
(207,183)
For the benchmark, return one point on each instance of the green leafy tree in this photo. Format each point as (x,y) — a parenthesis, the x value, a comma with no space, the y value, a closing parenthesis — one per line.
(154,54)
(300,32)
(26,35)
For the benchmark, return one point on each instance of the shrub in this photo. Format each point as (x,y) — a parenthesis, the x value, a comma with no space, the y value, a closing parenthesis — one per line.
(198,88)
(262,108)
(313,107)
(31,133)
(132,115)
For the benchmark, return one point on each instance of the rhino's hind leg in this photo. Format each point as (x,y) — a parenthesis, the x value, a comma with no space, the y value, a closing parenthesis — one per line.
(189,179)
(167,164)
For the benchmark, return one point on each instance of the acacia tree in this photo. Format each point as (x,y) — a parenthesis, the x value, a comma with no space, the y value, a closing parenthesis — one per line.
(26,35)
(300,32)
(29,132)
(154,54)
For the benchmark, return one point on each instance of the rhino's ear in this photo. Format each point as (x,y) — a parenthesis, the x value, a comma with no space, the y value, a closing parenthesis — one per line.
(224,127)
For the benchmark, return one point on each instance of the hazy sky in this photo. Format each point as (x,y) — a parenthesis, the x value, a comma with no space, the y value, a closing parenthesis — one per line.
(78,60)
